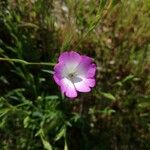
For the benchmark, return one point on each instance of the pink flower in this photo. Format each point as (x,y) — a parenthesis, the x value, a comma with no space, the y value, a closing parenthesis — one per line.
(74,72)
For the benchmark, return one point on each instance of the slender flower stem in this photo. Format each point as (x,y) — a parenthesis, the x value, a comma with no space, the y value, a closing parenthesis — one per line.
(26,62)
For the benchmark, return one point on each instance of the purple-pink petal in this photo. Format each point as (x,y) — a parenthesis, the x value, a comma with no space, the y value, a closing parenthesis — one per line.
(91,71)
(69,56)
(70,59)
(58,72)
(57,79)
(85,85)
(59,68)
(68,88)
(86,67)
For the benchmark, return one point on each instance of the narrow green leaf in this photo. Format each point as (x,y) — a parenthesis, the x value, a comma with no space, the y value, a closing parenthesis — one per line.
(48,71)
(26,121)
(52,97)
(129,77)
(65,146)
(108,95)
(60,134)
(46,144)
(4,111)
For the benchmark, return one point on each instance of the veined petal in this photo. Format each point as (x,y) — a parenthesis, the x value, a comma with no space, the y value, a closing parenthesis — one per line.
(68,88)
(84,85)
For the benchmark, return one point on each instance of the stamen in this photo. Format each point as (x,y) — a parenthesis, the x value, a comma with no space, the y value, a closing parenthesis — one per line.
(71,76)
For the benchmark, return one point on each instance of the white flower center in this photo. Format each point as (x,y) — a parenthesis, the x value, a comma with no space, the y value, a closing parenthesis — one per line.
(72,73)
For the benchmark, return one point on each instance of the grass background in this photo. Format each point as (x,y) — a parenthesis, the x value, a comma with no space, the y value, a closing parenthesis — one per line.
(33,113)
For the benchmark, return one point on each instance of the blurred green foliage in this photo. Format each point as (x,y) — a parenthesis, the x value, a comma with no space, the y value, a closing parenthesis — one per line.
(33,113)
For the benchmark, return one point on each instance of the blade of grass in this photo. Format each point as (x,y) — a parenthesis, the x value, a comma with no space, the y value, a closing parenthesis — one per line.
(26,62)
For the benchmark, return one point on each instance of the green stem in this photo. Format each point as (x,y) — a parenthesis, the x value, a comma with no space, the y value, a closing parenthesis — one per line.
(26,62)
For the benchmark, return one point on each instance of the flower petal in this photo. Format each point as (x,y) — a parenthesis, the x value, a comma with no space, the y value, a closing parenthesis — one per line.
(61,70)
(57,79)
(64,57)
(86,68)
(68,88)
(92,71)
(58,72)
(84,84)
(70,59)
